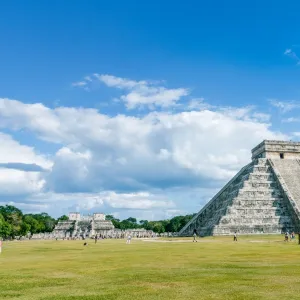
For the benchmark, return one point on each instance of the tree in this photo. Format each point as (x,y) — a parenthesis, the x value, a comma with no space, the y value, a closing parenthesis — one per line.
(159,227)
(25,229)
(109,217)
(5,228)
(63,218)
(12,216)
(132,220)
(9,210)
(144,223)
(32,222)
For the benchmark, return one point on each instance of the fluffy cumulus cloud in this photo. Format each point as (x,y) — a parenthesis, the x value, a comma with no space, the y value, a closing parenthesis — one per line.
(120,204)
(20,168)
(155,165)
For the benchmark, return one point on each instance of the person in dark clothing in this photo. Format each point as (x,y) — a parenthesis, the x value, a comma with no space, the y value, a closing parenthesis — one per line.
(195,236)
(286,237)
(96,238)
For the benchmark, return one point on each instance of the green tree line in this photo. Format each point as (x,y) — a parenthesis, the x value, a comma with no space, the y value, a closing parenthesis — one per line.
(14,223)
(171,225)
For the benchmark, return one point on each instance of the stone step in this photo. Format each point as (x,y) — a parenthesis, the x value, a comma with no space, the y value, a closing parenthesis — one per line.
(258,204)
(248,219)
(253,185)
(260,184)
(266,198)
(261,170)
(258,193)
(251,222)
(261,177)
(261,161)
(255,210)
(230,230)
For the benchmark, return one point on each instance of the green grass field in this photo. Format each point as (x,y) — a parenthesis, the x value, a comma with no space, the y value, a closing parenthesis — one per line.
(255,267)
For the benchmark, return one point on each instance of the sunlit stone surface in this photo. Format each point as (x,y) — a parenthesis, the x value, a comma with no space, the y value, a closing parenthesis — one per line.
(264,196)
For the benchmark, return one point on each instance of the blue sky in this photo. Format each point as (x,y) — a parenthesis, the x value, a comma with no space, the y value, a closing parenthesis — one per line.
(125,104)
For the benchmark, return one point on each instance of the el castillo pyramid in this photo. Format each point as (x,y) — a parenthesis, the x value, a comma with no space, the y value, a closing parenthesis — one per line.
(262,198)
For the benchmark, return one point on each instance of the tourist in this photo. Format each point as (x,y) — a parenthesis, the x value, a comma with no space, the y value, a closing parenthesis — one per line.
(128,239)
(286,237)
(96,238)
(235,237)
(195,236)
(293,235)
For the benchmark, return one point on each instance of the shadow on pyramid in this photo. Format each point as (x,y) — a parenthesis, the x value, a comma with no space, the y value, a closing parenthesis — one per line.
(263,197)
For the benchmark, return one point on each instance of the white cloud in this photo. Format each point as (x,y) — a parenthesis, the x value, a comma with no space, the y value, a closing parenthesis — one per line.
(261,117)
(139,94)
(108,201)
(17,182)
(291,120)
(292,54)
(16,163)
(285,106)
(157,149)
(12,151)
(287,51)
(120,83)
(141,200)
(198,104)
(125,164)
(79,83)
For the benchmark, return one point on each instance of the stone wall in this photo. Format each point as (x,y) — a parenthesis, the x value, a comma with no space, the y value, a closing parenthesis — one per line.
(98,216)
(74,216)
(273,150)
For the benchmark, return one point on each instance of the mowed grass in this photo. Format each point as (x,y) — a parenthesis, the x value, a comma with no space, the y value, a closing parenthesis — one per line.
(255,267)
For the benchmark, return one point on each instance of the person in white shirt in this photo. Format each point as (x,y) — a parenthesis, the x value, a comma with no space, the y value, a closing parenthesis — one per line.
(128,239)
(235,237)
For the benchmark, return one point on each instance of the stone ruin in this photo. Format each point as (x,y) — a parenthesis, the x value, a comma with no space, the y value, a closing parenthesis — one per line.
(262,198)
(80,227)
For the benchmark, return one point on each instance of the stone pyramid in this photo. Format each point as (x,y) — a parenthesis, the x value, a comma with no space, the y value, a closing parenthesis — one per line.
(263,197)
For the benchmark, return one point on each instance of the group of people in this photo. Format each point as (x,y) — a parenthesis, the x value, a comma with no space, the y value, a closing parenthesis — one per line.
(128,241)
(195,236)
(287,235)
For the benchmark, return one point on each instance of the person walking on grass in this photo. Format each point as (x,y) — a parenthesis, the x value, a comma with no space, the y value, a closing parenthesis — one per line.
(195,236)
(292,236)
(96,238)
(286,237)
(235,237)
(128,239)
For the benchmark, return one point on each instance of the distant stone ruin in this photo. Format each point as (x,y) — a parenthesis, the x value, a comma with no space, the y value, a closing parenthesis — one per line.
(83,226)
(80,227)
(263,197)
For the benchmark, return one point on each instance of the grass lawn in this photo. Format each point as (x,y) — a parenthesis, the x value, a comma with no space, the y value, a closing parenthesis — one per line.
(255,267)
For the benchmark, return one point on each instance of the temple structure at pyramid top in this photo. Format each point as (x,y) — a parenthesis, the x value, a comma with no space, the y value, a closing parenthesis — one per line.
(262,198)
(276,150)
